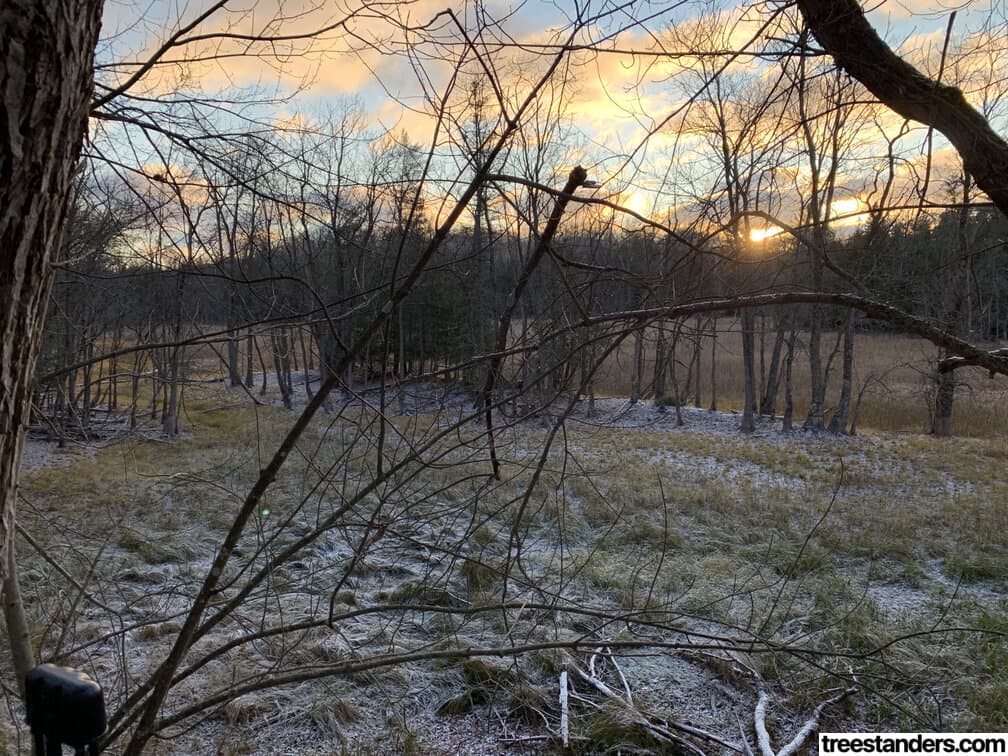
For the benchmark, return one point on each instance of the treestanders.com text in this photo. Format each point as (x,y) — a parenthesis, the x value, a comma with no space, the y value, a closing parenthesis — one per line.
(912,742)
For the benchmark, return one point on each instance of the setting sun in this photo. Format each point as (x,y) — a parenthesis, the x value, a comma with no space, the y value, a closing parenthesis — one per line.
(635,201)
(762,234)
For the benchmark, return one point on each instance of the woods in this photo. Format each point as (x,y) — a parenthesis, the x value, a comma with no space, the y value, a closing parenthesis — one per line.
(421,298)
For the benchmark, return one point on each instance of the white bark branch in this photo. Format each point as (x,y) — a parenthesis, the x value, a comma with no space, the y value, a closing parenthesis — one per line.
(810,726)
(759,722)
(622,677)
(564,717)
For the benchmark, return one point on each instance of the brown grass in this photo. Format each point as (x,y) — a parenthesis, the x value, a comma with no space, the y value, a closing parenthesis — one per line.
(894,373)
(733,540)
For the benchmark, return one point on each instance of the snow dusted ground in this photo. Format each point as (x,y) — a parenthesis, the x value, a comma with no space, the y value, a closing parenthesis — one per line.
(284,721)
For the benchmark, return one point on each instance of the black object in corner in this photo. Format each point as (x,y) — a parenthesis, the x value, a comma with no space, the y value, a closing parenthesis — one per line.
(64,706)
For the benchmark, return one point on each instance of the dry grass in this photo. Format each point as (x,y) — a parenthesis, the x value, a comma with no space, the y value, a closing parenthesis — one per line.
(719,531)
(895,372)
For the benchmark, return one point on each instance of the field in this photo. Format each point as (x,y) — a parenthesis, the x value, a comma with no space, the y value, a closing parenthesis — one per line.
(895,374)
(689,565)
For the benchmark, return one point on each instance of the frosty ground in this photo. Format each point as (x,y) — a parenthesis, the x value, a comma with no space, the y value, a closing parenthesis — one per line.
(876,561)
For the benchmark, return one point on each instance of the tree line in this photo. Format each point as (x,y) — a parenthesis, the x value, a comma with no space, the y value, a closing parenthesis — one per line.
(273,291)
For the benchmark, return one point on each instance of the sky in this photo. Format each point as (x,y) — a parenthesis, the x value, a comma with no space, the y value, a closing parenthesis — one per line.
(392,61)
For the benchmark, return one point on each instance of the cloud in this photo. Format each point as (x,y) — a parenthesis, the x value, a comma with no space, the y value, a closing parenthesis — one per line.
(271,45)
(604,108)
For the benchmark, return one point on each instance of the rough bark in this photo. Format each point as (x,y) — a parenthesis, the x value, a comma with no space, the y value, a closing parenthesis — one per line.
(841,28)
(942,425)
(46,64)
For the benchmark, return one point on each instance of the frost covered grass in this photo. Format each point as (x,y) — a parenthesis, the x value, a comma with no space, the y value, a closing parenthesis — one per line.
(850,542)
(837,546)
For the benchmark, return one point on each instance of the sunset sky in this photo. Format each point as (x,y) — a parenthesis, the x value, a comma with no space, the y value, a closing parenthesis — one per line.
(624,109)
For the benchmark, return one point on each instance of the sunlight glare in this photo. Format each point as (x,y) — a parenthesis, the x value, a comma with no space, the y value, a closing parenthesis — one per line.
(762,234)
(635,201)
(843,207)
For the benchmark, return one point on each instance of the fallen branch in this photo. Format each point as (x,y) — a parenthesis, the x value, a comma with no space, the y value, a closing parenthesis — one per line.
(564,719)
(661,731)
(949,364)
(810,726)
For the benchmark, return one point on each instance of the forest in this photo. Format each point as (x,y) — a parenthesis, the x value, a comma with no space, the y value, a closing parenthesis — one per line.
(397,379)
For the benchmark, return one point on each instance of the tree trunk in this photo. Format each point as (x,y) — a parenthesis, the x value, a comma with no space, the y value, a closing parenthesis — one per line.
(638,366)
(768,402)
(817,402)
(46,85)
(17,626)
(46,64)
(157,382)
(86,389)
(234,372)
(749,368)
(138,366)
(265,372)
(697,359)
(674,376)
(234,365)
(306,354)
(713,366)
(169,417)
(838,423)
(942,425)
(281,364)
(401,360)
(789,381)
(762,375)
(658,383)
(249,349)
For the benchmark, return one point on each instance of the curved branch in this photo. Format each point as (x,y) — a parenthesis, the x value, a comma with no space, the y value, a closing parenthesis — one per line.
(995,361)
(841,28)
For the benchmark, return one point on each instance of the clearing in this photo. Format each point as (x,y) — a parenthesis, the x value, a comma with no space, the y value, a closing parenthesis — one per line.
(392,584)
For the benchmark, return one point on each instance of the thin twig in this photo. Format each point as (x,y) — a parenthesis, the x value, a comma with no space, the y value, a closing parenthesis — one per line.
(56,566)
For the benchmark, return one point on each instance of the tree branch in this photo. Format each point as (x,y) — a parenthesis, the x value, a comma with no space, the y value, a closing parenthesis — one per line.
(841,28)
